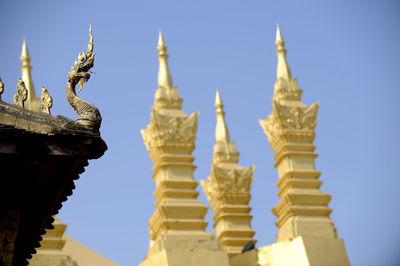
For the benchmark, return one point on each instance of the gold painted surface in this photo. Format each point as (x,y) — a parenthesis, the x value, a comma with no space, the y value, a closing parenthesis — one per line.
(46,101)
(59,249)
(32,102)
(305,228)
(177,226)
(88,114)
(21,94)
(228,189)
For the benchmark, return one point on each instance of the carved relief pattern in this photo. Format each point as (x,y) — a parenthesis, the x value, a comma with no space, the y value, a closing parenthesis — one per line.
(287,90)
(166,131)
(225,152)
(8,235)
(21,94)
(46,101)
(167,98)
(290,118)
(225,183)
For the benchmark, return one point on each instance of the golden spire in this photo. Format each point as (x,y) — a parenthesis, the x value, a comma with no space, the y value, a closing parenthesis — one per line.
(283,69)
(167,95)
(164,76)
(221,130)
(31,103)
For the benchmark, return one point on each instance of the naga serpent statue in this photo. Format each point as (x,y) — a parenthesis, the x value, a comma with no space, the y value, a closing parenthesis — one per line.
(88,115)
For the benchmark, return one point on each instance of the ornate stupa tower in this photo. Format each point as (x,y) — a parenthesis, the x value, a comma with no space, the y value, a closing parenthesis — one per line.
(177,227)
(306,234)
(228,189)
(31,103)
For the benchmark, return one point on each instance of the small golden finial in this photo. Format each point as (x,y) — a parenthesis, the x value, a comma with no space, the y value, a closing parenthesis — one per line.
(21,94)
(283,69)
(24,52)
(25,57)
(221,129)
(279,39)
(164,76)
(161,47)
(46,101)
(218,101)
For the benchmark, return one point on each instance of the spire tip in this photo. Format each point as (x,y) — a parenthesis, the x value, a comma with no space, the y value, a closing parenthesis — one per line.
(161,42)
(279,38)
(218,101)
(24,52)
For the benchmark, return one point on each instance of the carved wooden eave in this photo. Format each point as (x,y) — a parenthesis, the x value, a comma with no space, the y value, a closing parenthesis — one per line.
(40,157)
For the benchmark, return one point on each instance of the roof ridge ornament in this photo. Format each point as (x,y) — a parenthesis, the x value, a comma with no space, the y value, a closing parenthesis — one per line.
(21,94)
(46,101)
(88,114)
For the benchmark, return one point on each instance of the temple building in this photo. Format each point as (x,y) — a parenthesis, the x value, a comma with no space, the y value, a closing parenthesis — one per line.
(306,236)
(54,150)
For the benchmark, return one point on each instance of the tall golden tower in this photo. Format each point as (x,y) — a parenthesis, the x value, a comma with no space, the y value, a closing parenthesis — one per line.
(228,189)
(306,233)
(177,227)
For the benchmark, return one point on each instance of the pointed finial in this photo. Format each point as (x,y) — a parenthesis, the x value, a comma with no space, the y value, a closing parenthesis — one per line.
(24,52)
(221,130)
(283,70)
(161,47)
(218,101)
(164,76)
(161,42)
(279,39)
(31,103)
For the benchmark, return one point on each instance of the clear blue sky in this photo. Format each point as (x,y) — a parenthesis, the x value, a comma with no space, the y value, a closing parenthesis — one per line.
(345,54)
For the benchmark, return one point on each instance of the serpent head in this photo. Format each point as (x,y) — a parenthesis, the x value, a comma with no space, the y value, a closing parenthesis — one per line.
(85,61)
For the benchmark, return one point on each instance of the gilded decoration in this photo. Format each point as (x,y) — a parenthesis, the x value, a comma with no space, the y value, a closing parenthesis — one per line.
(287,89)
(226,183)
(225,152)
(165,131)
(46,101)
(21,94)
(88,114)
(290,118)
